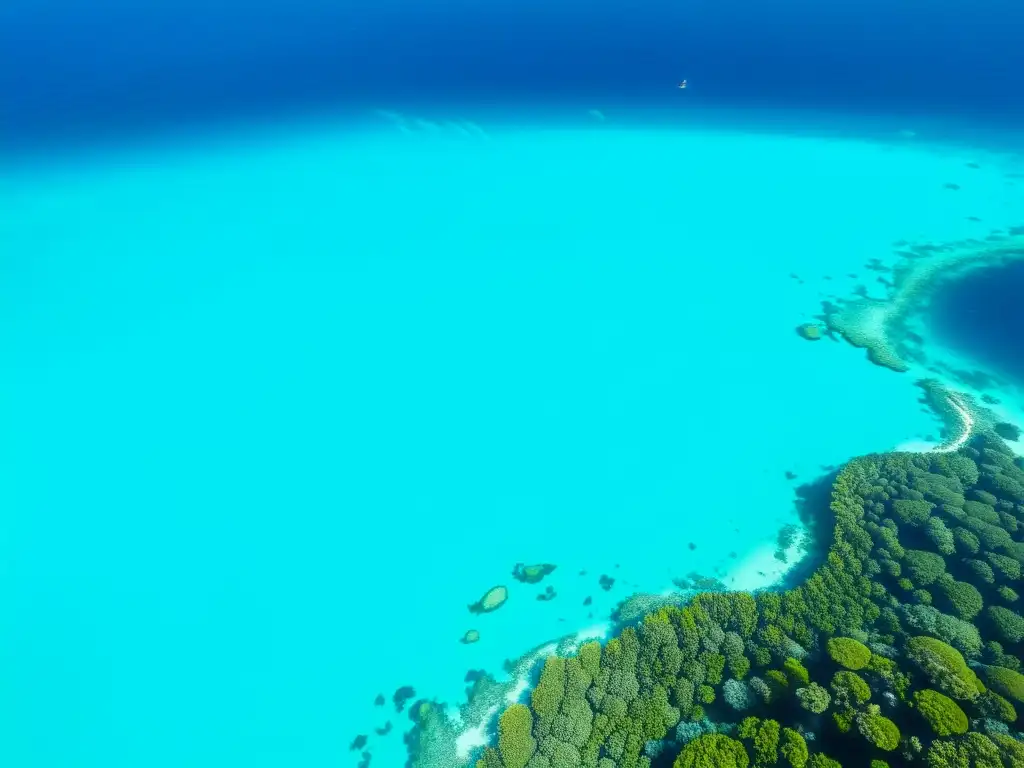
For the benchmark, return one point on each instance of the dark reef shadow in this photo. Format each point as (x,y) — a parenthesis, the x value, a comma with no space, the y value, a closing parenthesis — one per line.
(813,501)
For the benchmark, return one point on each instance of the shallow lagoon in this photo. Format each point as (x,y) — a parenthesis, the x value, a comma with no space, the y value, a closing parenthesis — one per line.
(279,410)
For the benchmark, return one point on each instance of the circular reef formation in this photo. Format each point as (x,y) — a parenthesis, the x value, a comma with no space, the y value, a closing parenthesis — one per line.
(879,325)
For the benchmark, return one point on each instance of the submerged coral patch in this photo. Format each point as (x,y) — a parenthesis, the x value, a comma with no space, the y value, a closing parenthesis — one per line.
(531,574)
(548,594)
(358,743)
(865,323)
(402,695)
(809,331)
(1007,431)
(492,600)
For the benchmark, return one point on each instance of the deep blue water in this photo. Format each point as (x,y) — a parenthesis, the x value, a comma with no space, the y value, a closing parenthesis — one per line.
(982,315)
(72,71)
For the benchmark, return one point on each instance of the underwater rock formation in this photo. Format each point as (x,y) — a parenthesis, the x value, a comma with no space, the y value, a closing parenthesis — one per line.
(471,636)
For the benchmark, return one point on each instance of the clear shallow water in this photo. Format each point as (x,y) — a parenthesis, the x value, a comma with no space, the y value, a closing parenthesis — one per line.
(278,411)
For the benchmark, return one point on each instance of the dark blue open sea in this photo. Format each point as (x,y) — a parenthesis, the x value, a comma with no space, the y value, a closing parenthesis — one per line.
(317,317)
(72,72)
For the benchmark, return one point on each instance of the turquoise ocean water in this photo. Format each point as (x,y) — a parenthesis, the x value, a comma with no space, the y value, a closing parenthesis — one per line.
(278,408)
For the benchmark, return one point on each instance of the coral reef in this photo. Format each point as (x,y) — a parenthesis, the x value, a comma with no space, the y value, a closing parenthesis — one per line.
(879,325)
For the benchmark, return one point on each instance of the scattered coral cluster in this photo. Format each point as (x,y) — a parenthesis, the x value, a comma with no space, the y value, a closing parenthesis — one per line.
(903,648)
